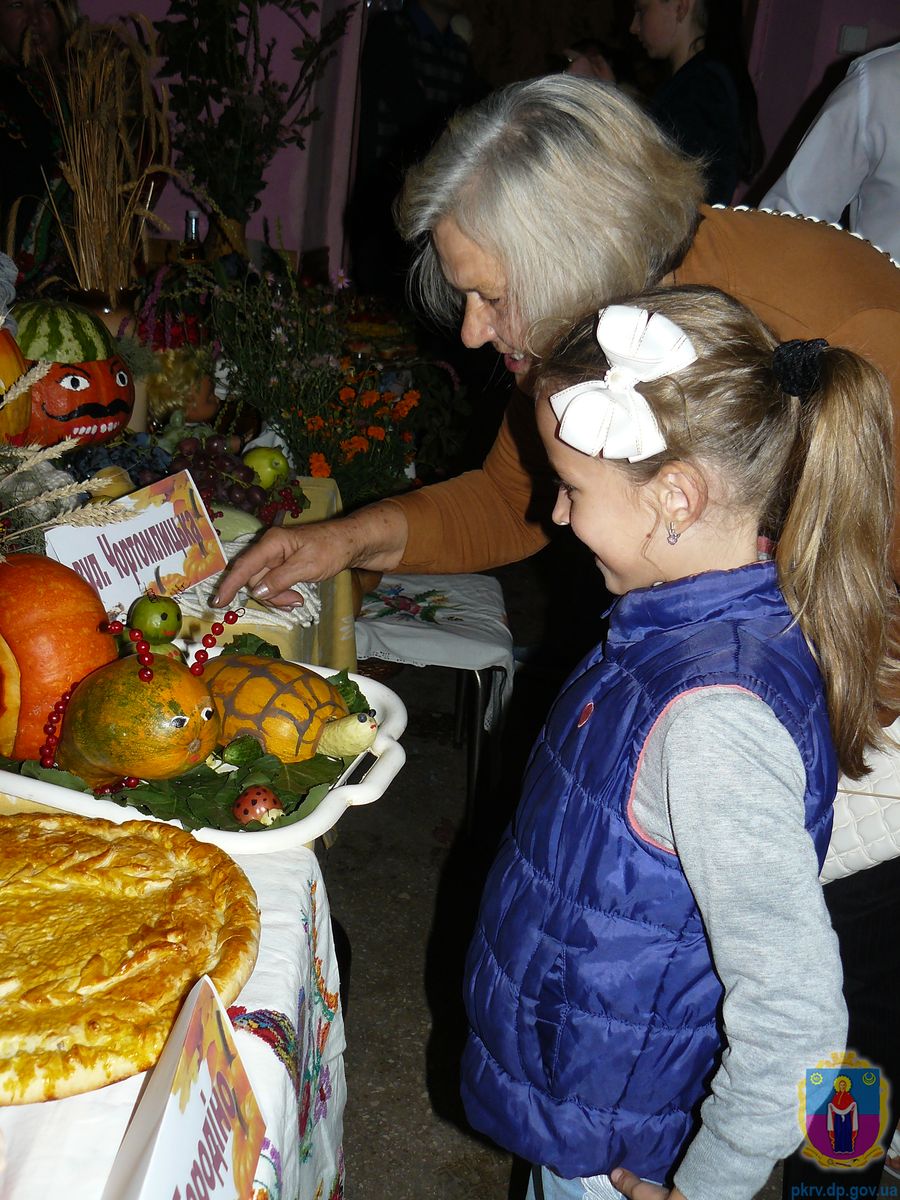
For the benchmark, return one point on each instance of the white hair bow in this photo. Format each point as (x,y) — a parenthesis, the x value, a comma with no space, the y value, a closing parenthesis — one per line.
(608,416)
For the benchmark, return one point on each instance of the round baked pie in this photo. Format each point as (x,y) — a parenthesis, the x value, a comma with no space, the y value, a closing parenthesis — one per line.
(104,929)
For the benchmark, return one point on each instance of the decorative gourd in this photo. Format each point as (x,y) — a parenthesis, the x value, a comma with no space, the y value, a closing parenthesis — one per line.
(15,415)
(88,392)
(50,638)
(117,725)
(293,712)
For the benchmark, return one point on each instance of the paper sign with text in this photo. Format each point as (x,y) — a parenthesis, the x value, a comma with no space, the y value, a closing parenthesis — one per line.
(197,1129)
(167,546)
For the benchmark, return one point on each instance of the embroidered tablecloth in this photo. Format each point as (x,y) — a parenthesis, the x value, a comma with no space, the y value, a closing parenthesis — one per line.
(290,1035)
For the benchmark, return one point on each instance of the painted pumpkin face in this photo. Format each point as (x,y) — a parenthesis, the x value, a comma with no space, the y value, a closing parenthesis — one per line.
(91,401)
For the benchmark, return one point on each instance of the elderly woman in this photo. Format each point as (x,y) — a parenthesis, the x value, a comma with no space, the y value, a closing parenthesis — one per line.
(545,201)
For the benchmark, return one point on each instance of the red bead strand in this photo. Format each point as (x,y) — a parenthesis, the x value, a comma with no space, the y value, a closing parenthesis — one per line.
(211,639)
(47,751)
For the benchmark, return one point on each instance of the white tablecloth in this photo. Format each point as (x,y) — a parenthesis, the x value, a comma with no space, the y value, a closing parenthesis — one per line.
(290,1035)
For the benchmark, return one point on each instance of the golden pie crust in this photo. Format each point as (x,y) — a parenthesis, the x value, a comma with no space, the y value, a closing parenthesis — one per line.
(104,929)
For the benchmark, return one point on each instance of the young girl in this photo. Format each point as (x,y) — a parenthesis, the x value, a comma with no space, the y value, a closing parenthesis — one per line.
(654,970)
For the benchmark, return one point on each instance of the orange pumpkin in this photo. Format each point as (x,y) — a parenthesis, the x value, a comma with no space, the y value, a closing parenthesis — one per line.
(50,638)
(14,416)
(118,725)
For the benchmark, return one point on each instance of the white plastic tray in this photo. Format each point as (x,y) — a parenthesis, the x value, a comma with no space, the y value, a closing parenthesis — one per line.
(387,757)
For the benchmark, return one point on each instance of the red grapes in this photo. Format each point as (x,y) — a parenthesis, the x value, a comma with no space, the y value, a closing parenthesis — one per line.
(222,477)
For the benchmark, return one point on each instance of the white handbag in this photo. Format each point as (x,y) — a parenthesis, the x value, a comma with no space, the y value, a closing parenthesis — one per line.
(867,815)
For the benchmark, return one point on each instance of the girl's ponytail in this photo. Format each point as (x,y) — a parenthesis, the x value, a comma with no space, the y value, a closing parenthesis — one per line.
(833,548)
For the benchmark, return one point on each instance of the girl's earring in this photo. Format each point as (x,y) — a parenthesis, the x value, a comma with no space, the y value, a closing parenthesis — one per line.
(673,535)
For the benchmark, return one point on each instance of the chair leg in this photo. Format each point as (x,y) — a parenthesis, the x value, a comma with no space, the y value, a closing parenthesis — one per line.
(482,746)
(461,706)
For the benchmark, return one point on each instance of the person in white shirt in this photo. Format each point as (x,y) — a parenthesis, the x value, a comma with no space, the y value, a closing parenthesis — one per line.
(850,155)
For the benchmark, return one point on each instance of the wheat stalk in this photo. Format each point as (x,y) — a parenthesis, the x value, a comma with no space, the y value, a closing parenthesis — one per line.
(32,376)
(114,132)
(30,456)
(66,492)
(106,512)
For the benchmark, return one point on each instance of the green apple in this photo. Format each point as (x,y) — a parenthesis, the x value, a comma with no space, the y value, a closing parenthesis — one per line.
(157,617)
(270,465)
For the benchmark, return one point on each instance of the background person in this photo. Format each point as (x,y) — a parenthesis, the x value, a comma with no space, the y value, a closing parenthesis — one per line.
(850,155)
(416,71)
(707,104)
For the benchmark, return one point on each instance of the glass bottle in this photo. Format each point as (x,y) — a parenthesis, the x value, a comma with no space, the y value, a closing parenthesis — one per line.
(191,249)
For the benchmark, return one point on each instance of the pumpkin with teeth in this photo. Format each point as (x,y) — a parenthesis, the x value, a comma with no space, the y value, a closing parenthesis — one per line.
(88,393)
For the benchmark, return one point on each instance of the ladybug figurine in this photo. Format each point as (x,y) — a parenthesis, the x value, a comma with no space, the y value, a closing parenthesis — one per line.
(257,803)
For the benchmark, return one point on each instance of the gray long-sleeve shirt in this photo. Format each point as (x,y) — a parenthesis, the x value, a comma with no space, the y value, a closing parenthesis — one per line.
(721,784)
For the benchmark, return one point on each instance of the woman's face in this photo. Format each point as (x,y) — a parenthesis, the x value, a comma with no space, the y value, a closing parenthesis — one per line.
(33,21)
(656,26)
(481,281)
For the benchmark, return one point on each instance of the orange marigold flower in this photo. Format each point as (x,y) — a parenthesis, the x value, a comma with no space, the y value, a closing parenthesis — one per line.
(353,446)
(346,393)
(369,398)
(375,432)
(406,436)
(318,466)
(314,424)
(413,397)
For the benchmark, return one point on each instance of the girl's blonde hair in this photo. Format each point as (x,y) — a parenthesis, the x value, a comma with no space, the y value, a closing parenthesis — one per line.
(568,184)
(818,474)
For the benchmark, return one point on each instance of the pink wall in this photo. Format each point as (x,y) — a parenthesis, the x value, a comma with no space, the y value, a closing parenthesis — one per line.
(795,61)
(305,190)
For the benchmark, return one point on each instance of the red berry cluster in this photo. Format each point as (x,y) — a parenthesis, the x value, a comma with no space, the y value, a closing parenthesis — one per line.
(107,789)
(287,502)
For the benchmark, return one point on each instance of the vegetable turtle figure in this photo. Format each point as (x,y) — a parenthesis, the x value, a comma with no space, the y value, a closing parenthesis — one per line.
(293,712)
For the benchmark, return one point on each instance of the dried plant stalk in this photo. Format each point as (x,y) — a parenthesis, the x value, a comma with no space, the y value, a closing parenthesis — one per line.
(114,130)
(32,376)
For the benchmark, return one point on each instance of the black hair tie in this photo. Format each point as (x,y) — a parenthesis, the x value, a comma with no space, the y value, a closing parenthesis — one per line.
(798,366)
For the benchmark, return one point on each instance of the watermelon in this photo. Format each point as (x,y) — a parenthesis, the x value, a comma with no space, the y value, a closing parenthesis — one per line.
(59,332)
